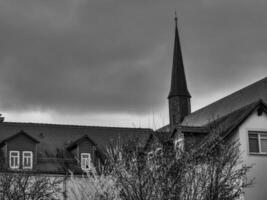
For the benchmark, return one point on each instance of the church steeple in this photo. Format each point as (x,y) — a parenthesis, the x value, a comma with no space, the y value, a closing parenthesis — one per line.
(179,96)
(178,80)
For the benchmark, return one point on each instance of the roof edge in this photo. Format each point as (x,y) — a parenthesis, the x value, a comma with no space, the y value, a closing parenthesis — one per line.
(72,126)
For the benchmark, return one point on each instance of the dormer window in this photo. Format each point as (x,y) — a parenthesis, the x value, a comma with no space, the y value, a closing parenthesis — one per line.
(27,159)
(14,159)
(85,161)
(21,149)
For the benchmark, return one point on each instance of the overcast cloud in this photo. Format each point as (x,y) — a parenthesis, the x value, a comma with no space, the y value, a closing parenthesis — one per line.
(101,61)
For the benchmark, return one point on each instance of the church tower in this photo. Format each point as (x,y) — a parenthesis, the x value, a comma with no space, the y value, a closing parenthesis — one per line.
(179,96)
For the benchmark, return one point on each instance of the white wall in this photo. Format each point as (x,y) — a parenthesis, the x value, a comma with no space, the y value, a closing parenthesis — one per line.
(259,190)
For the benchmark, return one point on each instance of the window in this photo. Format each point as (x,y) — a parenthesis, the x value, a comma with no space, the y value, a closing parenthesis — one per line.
(27,160)
(14,159)
(257,142)
(85,161)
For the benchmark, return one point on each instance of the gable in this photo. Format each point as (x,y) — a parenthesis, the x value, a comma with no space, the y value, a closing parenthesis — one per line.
(254,122)
(20,134)
(85,140)
(20,141)
(227,124)
(86,146)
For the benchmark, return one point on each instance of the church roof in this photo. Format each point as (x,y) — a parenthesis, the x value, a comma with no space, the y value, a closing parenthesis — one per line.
(225,106)
(228,104)
(178,80)
(227,124)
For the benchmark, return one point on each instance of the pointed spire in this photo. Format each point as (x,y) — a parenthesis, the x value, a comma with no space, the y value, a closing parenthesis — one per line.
(178,80)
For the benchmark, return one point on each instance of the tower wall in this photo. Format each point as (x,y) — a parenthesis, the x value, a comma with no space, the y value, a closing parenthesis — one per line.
(179,107)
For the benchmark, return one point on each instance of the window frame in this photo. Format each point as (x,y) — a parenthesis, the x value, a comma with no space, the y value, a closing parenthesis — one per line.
(89,158)
(259,133)
(18,157)
(31,160)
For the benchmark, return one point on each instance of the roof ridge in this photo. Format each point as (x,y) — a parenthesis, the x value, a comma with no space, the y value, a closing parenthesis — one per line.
(74,126)
(233,93)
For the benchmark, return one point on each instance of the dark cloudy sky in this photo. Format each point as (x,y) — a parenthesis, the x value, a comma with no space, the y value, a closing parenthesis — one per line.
(108,62)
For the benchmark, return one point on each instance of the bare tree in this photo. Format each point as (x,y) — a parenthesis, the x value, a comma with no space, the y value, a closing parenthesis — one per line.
(29,186)
(126,163)
(140,177)
(93,186)
(213,171)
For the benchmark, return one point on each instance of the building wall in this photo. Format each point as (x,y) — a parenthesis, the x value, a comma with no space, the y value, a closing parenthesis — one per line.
(259,190)
(179,107)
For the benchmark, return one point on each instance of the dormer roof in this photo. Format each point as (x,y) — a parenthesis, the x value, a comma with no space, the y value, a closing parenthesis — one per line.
(6,140)
(78,141)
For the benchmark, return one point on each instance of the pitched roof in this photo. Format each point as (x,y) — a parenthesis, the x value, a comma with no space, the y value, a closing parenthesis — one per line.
(227,124)
(228,104)
(54,137)
(178,80)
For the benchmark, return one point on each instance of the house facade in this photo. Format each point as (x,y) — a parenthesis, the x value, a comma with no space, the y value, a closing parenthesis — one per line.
(252,134)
